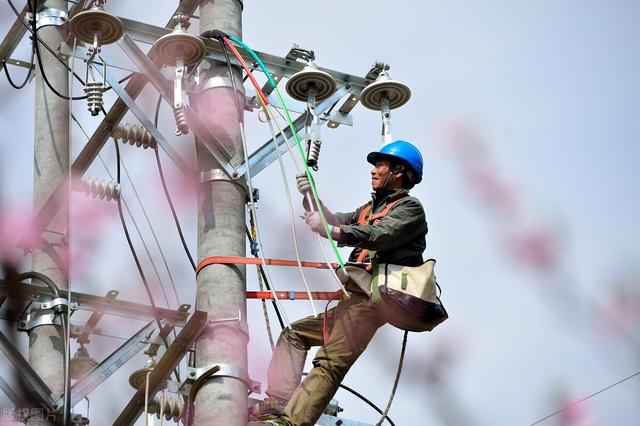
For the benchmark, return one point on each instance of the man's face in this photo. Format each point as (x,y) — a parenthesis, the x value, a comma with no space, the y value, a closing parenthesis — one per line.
(379,174)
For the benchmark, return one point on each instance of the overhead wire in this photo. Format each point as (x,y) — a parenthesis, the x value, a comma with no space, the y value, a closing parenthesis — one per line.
(299,144)
(262,99)
(307,171)
(252,204)
(135,256)
(168,195)
(573,404)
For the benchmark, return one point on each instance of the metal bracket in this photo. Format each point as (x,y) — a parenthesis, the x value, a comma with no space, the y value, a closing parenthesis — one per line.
(38,318)
(49,16)
(48,314)
(144,120)
(53,304)
(226,370)
(235,321)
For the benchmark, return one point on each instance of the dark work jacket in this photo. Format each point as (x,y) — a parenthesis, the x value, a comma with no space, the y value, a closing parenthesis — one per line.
(398,237)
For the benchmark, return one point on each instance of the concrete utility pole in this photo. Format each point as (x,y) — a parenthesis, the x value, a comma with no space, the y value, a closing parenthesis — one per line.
(221,231)
(51,166)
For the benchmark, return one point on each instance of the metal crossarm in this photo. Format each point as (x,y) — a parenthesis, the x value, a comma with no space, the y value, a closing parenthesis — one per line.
(94,303)
(197,323)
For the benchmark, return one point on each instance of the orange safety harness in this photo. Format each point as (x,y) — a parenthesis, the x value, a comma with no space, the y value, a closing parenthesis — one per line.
(366,217)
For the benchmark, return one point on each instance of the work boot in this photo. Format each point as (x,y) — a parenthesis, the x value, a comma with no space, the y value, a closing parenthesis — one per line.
(270,420)
(270,406)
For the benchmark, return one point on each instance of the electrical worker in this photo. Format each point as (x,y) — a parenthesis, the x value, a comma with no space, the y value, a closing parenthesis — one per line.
(391,229)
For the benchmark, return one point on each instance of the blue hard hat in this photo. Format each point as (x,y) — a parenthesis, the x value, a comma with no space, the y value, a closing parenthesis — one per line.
(401,150)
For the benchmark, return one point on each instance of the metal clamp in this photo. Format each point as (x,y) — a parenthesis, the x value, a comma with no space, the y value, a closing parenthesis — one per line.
(38,318)
(226,370)
(59,302)
(49,16)
(48,314)
(219,175)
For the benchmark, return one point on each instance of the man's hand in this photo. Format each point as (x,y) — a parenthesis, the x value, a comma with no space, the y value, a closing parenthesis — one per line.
(314,222)
(303,183)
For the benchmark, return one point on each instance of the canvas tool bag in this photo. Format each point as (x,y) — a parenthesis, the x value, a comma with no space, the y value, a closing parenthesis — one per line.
(407,297)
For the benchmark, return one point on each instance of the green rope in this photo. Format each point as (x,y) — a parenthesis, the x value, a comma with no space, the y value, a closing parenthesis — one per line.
(300,149)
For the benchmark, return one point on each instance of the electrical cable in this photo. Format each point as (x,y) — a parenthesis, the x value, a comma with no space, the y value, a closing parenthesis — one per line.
(168,195)
(41,277)
(31,63)
(137,228)
(282,172)
(26,78)
(252,204)
(586,397)
(153,233)
(36,42)
(299,144)
(135,256)
(362,398)
(396,381)
(261,287)
(264,277)
(318,239)
(385,413)
(34,32)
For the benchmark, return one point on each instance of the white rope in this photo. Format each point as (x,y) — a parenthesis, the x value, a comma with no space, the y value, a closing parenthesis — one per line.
(291,215)
(162,406)
(146,399)
(311,204)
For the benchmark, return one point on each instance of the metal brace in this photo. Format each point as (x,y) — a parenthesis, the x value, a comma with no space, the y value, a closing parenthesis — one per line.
(226,370)
(48,314)
(49,16)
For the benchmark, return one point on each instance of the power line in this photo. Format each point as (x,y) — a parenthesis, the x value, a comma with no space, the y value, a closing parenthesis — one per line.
(168,195)
(586,397)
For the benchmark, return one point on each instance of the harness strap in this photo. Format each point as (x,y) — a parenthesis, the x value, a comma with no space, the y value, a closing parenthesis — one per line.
(365,217)
(235,260)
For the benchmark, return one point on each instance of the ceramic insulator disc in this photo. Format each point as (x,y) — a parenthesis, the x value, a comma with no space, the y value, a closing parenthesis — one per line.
(88,22)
